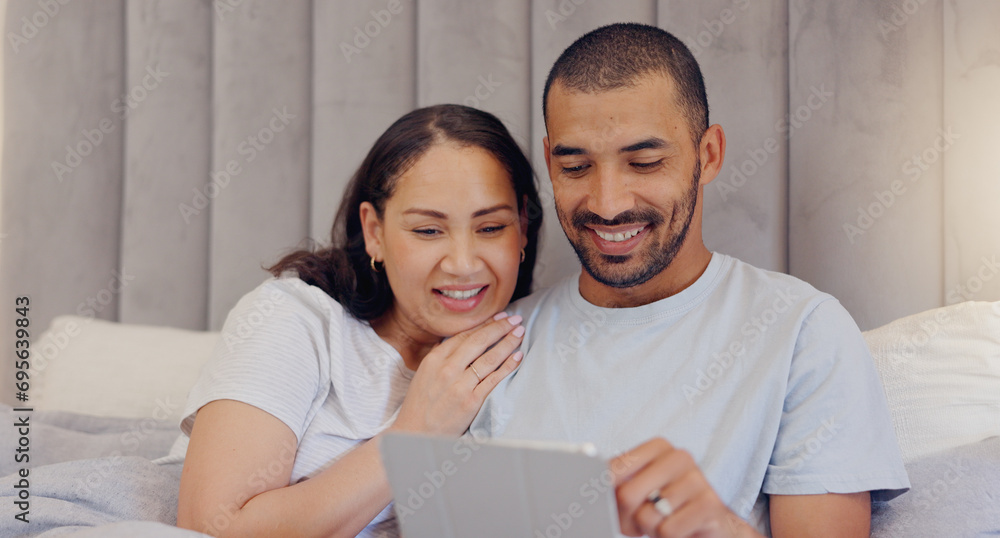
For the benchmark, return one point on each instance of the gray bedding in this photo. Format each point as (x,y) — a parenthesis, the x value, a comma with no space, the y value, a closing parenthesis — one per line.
(58,436)
(93,477)
(954,493)
(90,476)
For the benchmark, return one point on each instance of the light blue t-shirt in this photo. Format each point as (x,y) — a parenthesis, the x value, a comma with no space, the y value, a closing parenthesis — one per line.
(766,381)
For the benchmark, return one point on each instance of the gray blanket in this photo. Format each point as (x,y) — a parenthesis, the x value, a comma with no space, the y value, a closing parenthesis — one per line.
(88,476)
(93,477)
(954,493)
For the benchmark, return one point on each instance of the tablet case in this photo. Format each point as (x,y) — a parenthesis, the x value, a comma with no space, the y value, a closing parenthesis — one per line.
(460,488)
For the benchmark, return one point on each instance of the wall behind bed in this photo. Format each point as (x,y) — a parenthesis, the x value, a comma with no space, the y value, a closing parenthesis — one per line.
(157,153)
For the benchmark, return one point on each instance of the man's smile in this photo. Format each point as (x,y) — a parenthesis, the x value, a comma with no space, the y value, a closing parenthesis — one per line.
(618,236)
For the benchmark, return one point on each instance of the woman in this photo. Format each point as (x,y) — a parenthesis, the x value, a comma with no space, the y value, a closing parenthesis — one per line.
(432,240)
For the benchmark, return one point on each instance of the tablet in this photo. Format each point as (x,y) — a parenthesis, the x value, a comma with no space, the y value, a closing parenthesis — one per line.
(459,488)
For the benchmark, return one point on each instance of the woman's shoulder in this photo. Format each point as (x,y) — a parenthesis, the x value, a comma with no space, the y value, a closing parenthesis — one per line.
(289,291)
(285,305)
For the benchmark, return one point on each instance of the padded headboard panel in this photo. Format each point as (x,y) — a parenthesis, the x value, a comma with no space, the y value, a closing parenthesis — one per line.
(157,153)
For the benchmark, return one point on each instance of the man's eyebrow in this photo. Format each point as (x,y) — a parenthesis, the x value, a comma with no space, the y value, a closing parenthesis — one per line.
(560,150)
(649,143)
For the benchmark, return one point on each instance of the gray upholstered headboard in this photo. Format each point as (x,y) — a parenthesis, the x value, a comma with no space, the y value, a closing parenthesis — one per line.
(157,153)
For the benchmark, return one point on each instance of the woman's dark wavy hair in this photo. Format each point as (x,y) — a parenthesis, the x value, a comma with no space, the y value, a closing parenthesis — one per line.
(342,269)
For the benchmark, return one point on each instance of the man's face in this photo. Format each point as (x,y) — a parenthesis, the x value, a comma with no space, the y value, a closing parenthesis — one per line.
(625,175)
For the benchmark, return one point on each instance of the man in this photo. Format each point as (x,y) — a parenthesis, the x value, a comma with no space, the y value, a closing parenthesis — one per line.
(758,390)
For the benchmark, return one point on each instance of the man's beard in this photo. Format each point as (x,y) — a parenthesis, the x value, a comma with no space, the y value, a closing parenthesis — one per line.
(657,255)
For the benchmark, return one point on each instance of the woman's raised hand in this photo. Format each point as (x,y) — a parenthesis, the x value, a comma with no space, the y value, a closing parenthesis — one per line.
(454,379)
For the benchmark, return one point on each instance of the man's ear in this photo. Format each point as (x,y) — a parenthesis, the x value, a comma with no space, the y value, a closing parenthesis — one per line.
(371,226)
(712,151)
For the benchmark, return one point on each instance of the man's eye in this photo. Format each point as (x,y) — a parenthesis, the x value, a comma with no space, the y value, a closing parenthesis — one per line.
(647,166)
(575,170)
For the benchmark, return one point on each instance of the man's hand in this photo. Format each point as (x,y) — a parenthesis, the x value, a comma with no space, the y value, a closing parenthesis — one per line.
(655,472)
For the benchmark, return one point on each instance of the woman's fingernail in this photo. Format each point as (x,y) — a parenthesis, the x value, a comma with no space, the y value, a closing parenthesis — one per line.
(519,332)
(518,356)
(514,320)
(500,316)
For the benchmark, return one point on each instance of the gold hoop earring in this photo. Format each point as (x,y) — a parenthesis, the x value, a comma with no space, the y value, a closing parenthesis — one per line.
(522,255)
(372,264)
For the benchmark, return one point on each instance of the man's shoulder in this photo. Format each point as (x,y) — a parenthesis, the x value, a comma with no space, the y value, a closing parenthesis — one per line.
(778,300)
(767,285)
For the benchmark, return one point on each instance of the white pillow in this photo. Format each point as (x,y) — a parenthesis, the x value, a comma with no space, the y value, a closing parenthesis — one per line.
(97,367)
(941,373)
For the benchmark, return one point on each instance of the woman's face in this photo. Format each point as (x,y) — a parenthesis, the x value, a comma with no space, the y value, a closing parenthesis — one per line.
(450,240)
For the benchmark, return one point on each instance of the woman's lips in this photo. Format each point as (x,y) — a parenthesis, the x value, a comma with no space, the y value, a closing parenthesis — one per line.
(461,298)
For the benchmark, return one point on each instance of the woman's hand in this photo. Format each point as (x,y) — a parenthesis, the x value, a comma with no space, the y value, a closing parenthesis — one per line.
(454,379)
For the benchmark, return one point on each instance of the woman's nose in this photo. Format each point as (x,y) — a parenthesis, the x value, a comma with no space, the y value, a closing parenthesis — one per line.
(463,257)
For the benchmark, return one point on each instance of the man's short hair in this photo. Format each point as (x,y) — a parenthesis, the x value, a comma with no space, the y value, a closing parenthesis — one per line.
(616,55)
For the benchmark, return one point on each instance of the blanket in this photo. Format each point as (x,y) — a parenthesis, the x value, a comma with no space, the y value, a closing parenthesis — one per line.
(955,492)
(66,473)
(108,477)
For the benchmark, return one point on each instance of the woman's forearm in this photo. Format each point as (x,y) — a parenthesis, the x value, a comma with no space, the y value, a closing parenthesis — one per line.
(339,501)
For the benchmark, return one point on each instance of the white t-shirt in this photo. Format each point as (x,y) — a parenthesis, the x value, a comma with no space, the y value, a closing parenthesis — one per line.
(767,382)
(289,349)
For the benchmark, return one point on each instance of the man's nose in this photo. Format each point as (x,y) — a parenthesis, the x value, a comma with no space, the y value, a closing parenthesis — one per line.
(610,195)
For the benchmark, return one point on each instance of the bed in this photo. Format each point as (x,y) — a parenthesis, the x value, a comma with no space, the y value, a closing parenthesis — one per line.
(102,425)
(152,228)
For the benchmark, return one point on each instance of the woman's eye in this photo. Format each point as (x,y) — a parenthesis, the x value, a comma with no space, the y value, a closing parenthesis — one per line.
(427,232)
(493,229)
(647,166)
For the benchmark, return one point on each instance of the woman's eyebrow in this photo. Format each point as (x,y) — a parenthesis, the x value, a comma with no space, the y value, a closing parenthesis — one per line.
(488,210)
(439,215)
(426,212)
